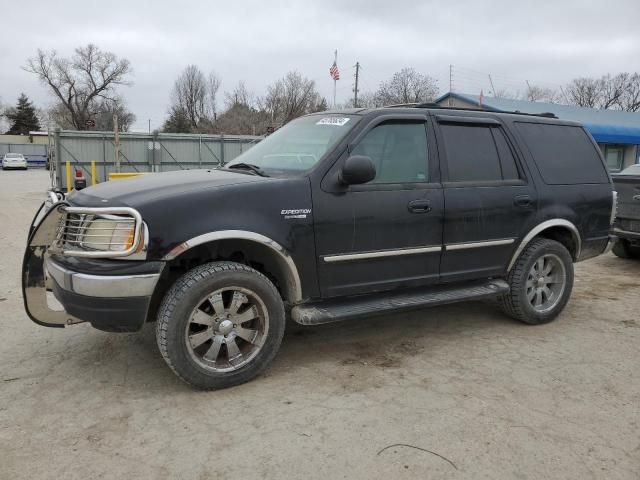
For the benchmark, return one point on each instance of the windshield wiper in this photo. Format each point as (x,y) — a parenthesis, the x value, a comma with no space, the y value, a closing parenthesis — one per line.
(256,170)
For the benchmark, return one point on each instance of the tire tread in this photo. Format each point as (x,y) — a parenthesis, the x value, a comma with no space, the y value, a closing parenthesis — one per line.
(179,288)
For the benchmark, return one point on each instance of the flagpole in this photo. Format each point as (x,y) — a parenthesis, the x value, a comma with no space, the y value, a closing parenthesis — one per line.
(335,61)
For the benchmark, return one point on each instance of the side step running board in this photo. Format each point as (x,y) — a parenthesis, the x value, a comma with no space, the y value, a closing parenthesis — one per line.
(380,303)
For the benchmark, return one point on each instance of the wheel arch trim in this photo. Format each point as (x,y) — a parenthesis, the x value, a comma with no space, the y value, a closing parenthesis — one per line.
(541,227)
(294,285)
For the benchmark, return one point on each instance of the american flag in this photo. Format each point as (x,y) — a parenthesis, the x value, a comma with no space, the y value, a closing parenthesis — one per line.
(333,71)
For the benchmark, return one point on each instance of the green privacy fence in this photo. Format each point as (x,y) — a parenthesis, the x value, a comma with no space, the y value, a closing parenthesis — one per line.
(142,153)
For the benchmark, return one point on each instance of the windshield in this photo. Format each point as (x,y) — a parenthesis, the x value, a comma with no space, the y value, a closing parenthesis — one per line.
(14,155)
(299,145)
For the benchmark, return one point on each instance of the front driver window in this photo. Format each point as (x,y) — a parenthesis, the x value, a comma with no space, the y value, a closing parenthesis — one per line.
(398,150)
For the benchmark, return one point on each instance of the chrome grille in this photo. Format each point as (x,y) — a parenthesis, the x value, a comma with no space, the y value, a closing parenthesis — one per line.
(72,237)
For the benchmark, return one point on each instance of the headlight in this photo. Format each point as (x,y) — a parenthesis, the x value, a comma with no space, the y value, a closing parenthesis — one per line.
(101,232)
(108,235)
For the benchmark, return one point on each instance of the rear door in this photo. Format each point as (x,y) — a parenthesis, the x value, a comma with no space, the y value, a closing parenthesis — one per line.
(489,201)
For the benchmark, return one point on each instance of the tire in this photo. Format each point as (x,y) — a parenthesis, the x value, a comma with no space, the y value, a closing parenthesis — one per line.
(202,304)
(523,282)
(623,249)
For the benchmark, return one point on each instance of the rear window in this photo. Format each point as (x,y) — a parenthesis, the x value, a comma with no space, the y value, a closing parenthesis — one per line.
(564,154)
(477,153)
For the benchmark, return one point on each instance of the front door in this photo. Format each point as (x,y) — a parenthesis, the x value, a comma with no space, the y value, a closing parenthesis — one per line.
(489,200)
(387,233)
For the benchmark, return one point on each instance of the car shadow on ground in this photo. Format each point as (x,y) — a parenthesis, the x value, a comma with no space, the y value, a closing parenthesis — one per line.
(385,341)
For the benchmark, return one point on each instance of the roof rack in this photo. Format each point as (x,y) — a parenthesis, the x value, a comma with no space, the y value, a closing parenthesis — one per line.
(466,109)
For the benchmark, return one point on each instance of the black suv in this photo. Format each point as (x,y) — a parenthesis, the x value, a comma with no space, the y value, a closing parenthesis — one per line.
(336,216)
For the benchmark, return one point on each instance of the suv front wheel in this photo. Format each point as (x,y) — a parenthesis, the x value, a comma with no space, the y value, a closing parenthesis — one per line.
(220,325)
(540,282)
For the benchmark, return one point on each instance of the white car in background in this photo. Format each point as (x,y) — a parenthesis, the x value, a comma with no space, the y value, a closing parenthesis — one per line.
(14,160)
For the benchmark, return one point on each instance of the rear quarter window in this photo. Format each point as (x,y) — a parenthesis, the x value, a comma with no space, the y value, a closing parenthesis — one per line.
(564,154)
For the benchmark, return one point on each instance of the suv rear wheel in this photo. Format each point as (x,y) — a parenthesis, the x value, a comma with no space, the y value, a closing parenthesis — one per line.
(220,325)
(540,282)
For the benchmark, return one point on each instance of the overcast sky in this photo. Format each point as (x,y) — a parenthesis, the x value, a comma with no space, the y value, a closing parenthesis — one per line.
(545,42)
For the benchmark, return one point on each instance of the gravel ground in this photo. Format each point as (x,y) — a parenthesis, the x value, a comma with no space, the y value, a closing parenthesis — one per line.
(456,392)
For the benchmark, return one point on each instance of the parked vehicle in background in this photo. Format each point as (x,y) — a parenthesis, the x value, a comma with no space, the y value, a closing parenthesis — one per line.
(335,216)
(627,224)
(14,161)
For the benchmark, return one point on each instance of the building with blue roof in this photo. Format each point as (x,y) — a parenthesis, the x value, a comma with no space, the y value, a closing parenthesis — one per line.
(617,132)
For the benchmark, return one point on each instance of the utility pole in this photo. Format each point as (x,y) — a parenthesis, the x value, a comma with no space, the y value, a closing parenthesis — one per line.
(149,125)
(355,89)
(450,102)
(116,143)
(493,89)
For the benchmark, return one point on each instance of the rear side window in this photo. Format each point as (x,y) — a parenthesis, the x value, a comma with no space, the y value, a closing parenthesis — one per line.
(478,153)
(564,154)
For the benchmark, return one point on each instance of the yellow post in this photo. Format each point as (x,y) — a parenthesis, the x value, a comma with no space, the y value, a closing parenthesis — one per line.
(68,176)
(93,172)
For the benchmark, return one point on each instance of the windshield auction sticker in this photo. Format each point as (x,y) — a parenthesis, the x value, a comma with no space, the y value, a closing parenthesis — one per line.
(337,121)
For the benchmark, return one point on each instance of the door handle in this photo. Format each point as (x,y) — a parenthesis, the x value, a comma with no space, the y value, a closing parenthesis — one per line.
(523,201)
(419,206)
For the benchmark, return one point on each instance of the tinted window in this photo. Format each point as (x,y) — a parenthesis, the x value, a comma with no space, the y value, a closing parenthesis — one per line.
(472,154)
(507,160)
(398,151)
(563,154)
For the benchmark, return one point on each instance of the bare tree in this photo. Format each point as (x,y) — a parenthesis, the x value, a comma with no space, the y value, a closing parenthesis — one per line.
(585,92)
(365,100)
(88,77)
(190,95)
(105,112)
(213,85)
(240,95)
(535,93)
(102,113)
(621,91)
(407,86)
(630,99)
(242,119)
(612,90)
(4,123)
(290,97)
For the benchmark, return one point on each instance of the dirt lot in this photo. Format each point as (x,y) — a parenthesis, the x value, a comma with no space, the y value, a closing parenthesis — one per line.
(470,393)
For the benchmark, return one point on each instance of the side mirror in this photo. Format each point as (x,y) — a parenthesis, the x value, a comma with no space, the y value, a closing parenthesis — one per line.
(357,169)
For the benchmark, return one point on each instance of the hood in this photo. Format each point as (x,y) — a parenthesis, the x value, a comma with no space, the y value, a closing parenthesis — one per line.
(144,189)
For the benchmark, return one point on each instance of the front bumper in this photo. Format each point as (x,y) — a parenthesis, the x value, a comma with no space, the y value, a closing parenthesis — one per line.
(58,290)
(113,303)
